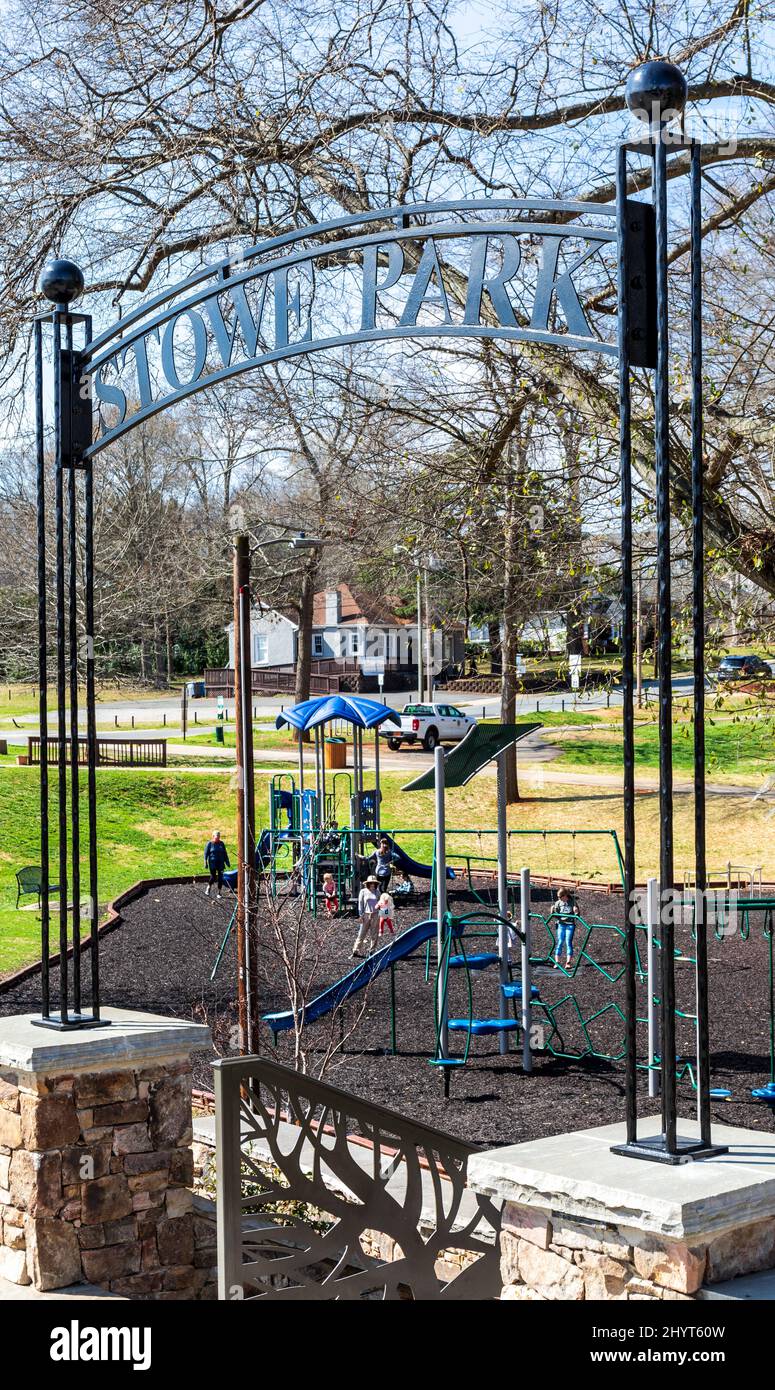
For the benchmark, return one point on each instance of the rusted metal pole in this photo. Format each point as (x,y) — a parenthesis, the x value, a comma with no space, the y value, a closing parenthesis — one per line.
(246,828)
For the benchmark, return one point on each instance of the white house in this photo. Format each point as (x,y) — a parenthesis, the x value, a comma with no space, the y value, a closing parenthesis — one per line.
(359,629)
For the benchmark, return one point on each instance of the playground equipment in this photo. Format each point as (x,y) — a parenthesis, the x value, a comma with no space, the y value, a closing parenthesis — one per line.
(482,745)
(324,827)
(517,1002)
(730,915)
(736,878)
(304,836)
(398,948)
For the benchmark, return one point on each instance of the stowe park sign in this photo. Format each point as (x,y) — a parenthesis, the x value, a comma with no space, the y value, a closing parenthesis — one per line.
(512,269)
(580,276)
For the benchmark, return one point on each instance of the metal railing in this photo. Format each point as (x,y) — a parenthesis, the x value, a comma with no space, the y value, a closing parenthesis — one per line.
(270,680)
(322,1195)
(110,752)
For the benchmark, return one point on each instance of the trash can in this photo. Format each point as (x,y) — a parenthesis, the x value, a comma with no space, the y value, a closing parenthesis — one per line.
(335,753)
(219,733)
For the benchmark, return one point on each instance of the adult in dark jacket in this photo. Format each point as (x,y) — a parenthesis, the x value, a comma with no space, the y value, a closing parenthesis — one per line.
(216,859)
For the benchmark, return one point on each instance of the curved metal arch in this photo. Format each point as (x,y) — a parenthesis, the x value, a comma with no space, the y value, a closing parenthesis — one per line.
(214,334)
(396,213)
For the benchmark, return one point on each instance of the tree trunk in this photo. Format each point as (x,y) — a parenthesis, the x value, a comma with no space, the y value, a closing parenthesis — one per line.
(494,644)
(304,649)
(158,656)
(574,630)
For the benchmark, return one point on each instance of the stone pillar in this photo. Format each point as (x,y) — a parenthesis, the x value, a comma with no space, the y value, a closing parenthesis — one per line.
(582,1223)
(95,1155)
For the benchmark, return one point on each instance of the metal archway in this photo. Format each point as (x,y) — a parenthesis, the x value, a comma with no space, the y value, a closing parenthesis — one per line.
(519,270)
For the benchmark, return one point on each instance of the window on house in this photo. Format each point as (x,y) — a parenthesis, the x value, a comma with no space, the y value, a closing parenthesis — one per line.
(259,649)
(355,642)
(317,644)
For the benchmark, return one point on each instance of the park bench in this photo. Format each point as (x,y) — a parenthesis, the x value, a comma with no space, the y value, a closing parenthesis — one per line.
(29,880)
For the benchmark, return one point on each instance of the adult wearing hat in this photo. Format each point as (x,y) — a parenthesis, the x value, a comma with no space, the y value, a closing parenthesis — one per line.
(368,914)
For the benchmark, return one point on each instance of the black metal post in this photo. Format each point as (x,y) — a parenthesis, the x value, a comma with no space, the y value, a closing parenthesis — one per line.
(698,643)
(72,599)
(91,723)
(627,648)
(665,647)
(62,282)
(653,90)
(45,877)
(61,671)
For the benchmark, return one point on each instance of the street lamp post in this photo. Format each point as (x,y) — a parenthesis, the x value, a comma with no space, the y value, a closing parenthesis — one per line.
(422,563)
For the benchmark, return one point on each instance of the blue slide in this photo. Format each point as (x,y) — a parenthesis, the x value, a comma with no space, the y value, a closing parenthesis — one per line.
(409,865)
(398,948)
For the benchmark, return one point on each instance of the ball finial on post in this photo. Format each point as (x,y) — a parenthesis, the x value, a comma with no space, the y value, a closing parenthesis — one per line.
(656,93)
(62,281)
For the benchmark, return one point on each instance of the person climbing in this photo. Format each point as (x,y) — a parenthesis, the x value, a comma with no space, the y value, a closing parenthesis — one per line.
(383,863)
(565,912)
(216,859)
(368,900)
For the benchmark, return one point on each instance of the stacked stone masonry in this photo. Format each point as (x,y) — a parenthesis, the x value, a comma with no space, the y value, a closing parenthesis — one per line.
(550,1256)
(95,1178)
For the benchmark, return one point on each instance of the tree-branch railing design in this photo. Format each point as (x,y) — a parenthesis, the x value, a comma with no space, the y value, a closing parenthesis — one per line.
(300,1217)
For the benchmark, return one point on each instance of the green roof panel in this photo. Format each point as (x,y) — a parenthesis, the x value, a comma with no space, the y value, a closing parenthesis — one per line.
(479,747)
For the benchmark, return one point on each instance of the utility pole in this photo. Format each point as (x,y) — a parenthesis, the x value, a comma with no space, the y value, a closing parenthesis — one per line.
(428,638)
(639,642)
(420,676)
(247,979)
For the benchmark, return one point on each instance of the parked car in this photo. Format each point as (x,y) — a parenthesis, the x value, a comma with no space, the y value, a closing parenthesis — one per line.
(429,725)
(742,668)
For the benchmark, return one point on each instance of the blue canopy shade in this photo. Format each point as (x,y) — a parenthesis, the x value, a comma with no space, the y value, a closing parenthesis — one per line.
(353,709)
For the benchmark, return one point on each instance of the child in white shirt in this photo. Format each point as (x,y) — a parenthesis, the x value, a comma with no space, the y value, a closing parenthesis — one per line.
(386,910)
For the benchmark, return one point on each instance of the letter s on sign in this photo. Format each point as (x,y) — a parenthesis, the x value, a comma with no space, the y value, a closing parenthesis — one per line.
(108,394)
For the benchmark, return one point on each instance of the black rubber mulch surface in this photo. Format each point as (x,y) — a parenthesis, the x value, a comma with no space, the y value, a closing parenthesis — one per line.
(161,958)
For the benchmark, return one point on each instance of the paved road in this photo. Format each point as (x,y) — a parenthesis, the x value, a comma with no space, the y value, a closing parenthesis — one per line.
(479,705)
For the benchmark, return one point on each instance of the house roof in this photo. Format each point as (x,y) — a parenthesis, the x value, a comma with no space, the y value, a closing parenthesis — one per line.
(357,608)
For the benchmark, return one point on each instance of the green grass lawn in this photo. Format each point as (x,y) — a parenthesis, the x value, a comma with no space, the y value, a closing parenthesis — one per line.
(150,823)
(744,747)
(262,738)
(154,823)
(23,699)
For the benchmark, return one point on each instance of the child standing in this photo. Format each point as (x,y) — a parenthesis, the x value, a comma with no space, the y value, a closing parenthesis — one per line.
(330,895)
(565,912)
(386,910)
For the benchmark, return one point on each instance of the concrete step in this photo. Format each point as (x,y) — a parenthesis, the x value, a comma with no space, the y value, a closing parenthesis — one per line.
(758,1287)
(26,1293)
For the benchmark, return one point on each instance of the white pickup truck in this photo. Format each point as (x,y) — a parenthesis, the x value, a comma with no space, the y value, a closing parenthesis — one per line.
(429,725)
